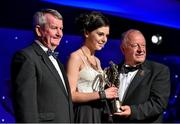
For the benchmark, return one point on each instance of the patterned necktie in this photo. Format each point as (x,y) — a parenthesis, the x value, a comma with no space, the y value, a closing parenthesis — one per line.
(52,53)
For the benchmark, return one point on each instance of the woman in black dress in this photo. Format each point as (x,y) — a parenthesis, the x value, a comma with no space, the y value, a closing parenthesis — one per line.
(84,68)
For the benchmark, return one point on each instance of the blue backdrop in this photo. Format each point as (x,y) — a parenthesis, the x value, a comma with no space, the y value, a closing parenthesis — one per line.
(13,40)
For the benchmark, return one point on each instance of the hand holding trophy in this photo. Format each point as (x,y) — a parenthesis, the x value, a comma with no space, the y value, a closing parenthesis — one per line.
(112,75)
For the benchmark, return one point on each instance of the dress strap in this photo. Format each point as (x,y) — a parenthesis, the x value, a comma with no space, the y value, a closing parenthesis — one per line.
(84,61)
(95,67)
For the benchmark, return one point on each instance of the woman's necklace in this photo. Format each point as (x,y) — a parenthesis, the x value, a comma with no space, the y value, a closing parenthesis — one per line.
(95,67)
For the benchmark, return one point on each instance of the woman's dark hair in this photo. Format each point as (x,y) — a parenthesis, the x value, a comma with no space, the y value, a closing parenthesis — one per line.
(88,22)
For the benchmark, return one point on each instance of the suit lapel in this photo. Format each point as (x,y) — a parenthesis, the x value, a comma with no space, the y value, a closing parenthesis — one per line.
(141,74)
(50,65)
(64,76)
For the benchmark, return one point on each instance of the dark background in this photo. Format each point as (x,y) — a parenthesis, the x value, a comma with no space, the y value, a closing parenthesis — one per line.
(18,14)
(16,33)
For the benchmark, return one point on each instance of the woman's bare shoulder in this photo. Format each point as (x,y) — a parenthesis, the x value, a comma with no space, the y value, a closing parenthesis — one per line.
(76,55)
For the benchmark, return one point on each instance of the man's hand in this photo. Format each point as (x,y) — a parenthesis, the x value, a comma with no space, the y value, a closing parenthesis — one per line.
(126,111)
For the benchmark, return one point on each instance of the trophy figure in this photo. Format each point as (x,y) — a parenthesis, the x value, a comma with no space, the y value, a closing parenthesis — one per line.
(99,84)
(112,76)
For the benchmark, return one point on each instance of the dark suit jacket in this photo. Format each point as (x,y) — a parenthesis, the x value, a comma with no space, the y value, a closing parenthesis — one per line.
(39,94)
(147,94)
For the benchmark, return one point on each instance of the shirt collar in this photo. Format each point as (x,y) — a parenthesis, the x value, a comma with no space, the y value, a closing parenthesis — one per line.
(41,45)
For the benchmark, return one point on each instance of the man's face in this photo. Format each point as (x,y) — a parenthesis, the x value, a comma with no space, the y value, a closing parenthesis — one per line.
(52,32)
(134,49)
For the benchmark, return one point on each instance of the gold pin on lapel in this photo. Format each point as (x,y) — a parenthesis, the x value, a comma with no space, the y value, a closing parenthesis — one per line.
(141,72)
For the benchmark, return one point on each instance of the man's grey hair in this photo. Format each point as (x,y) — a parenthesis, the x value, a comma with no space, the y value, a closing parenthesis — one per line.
(39,17)
(125,35)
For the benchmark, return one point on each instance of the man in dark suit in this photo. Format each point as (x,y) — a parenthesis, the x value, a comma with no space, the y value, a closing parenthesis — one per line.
(144,87)
(41,90)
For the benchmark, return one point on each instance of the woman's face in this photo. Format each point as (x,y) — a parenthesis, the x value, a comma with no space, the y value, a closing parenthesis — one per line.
(97,38)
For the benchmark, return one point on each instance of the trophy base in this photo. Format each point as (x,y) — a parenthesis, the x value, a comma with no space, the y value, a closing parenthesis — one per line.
(116,106)
(117,111)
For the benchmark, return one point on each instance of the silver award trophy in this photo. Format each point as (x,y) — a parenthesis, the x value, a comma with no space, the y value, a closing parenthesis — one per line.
(112,75)
(99,84)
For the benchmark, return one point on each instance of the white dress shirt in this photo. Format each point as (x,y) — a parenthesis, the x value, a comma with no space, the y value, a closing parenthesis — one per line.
(54,61)
(125,81)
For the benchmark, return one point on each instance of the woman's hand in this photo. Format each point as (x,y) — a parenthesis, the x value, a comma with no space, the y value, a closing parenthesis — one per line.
(111,92)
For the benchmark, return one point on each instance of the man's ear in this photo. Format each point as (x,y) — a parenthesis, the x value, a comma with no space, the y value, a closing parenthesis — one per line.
(38,30)
(122,49)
